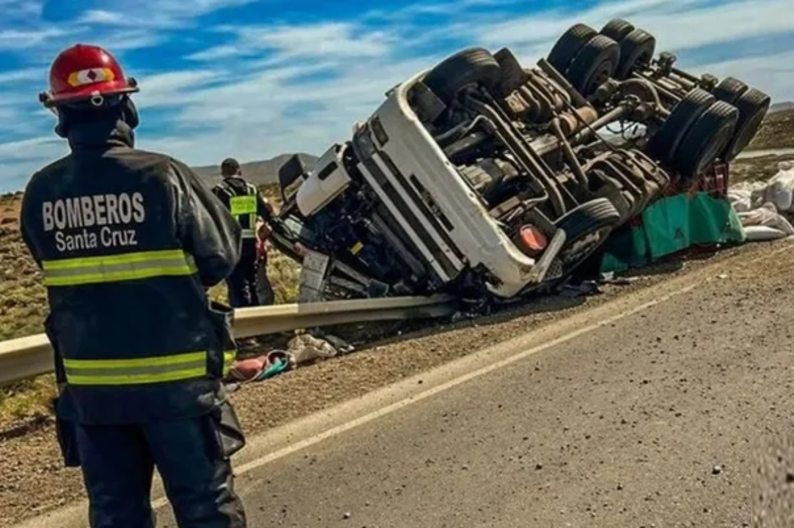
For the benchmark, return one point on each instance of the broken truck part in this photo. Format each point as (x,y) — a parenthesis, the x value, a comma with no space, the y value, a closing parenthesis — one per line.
(484,178)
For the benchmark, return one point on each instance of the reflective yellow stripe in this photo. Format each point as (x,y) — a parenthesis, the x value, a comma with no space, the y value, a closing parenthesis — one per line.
(99,278)
(137,379)
(357,247)
(156,361)
(118,268)
(109,260)
(228,361)
(141,371)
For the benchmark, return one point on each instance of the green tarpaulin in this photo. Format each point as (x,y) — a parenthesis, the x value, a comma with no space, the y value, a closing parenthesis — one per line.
(670,226)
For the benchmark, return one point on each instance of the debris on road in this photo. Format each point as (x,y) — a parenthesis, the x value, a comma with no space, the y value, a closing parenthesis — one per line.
(302,350)
(491,180)
(260,368)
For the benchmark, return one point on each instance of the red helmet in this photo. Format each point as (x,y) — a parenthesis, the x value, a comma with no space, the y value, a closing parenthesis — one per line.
(85,72)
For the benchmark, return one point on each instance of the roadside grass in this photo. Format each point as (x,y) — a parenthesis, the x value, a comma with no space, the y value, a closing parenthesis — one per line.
(27,400)
(757,169)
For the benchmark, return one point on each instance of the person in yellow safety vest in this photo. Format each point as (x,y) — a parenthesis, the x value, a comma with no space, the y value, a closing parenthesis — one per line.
(247,206)
(128,242)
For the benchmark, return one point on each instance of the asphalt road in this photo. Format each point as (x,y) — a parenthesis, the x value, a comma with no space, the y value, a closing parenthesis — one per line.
(672,413)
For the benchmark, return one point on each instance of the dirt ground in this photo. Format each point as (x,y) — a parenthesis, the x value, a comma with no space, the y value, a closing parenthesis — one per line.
(34,481)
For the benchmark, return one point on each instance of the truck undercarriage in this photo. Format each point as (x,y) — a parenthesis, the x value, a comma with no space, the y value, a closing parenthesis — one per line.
(484,178)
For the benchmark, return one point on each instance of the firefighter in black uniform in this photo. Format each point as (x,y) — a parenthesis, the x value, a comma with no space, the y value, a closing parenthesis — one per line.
(246,205)
(128,241)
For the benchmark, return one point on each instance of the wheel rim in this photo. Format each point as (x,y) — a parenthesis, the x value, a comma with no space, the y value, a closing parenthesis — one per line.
(600,76)
(583,247)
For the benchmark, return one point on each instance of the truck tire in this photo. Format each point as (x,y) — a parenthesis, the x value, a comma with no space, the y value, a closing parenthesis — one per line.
(753,106)
(636,50)
(664,144)
(586,227)
(617,29)
(468,67)
(729,90)
(569,45)
(706,139)
(594,65)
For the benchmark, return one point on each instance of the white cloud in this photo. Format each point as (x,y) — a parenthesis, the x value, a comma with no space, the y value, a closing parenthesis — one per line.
(111,18)
(121,40)
(20,39)
(774,73)
(21,159)
(30,148)
(21,8)
(721,23)
(167,89)
(23,75)
(167,13)
(321,40)
(678,25)
(220,52)
(330,39)
(272,112)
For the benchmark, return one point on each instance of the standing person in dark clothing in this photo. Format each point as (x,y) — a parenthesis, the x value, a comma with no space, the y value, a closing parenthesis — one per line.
(247,206)
(128,242)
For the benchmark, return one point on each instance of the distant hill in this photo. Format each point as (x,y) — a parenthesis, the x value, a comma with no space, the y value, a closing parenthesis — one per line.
(777,132)
(781,107)
(257,172)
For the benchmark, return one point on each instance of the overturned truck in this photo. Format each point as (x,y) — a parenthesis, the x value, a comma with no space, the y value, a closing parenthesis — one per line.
(487,179)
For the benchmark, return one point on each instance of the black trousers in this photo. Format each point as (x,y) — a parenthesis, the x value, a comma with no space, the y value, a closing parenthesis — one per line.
(118,462)
(242,282)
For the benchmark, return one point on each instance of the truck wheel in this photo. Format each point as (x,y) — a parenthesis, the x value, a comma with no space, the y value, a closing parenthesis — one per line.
(471,66)
(729,90)
(753,106)
(636,50)
(569,45)
(617,29)
(706,139)
(594,65)
(664,144)
(586,227)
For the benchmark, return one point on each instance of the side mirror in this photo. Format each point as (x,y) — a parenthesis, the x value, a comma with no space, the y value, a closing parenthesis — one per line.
(289,173)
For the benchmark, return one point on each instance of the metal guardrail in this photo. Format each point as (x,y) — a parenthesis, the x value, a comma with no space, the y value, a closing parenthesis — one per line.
(31,356)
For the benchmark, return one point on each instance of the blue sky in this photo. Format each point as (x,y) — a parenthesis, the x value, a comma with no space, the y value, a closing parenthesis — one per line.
(255,78)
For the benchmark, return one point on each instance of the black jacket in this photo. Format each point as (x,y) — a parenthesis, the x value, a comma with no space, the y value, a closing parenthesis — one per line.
(128,241)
